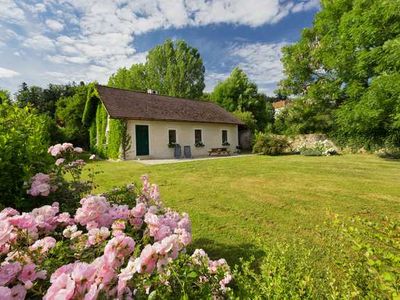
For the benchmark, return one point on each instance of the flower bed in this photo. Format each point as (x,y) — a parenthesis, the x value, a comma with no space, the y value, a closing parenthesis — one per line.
(319,148)
(105,249)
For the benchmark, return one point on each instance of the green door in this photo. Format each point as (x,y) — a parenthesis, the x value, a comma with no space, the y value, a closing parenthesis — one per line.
(142,140)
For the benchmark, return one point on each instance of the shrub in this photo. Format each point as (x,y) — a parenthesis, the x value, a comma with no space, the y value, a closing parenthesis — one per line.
(389,153)
(371,266)
(24,140)
(269,144)
(106,250)
(62,183)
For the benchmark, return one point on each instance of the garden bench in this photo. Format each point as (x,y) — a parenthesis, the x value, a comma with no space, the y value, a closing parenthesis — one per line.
(219,151)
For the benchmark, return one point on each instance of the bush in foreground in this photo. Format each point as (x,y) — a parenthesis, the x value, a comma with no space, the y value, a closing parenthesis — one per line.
(105,250)
(24,139)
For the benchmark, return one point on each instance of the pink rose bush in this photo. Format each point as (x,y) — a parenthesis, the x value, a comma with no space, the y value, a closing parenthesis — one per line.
(41,185)
(53,186)
(106,250)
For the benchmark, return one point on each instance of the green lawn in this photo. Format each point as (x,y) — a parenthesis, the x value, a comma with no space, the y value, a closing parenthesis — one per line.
(232,201)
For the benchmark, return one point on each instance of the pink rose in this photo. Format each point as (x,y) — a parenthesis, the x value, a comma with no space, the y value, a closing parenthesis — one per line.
(67,146)
(62,288)
(83,273)
(92,293)
(139,210)
(5,232)
(18,292)
(59,161)
(29,274)
(9,212)
(55,150)
(8,272)
(44,244)
(24,221)
(147,260)
(118,248)
(94,209)
(65,218)
(78,149)
(5,293)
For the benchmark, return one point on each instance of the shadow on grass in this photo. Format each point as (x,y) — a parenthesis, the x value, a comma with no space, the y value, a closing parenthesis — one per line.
(232,253)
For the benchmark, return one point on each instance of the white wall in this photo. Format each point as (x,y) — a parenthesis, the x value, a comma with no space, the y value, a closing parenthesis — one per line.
(158,137)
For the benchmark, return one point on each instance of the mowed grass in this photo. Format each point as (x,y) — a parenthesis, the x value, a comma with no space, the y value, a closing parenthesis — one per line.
(233,201)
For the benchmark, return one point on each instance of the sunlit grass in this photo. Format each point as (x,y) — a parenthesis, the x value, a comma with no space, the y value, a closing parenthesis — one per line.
(232,201)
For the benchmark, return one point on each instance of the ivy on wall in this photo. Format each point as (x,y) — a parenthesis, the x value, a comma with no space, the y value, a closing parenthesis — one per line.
(114,138)
(101,125)
(92,101)
(113,144)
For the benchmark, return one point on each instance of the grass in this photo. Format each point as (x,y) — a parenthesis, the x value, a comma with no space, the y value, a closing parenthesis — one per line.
(233,201)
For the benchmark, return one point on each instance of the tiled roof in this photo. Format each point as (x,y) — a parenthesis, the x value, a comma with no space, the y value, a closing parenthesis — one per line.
(280,104)
(126,104)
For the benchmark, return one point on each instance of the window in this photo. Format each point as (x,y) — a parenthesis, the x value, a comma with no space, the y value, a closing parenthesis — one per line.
(172,136)
(224,136)
(197,136)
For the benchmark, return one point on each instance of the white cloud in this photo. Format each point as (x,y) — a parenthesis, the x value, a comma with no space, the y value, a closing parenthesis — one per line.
(54,25)
(7,73)
(11,12)
(260,61)
(39,42)
(213,78)
(305,5)
(99,36)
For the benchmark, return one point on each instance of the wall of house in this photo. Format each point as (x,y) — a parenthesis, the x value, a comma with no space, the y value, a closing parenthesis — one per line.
(158,137)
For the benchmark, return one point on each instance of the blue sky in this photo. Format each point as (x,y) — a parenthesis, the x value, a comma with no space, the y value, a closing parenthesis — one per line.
(59,41)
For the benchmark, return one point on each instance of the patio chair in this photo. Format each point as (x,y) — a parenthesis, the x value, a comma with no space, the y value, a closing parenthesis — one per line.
(187,153)
(178,151)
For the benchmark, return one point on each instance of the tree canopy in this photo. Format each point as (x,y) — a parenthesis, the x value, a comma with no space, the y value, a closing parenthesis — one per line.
(4,96)
(238,93)
(172,68)
(43,99)
(69,111)
(341,64)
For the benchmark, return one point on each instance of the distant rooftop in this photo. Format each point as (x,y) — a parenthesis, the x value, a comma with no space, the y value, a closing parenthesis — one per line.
(280,104)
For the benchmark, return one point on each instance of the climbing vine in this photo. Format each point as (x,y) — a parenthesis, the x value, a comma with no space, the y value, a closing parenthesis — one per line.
(114,138)
(101,125)
(112,144)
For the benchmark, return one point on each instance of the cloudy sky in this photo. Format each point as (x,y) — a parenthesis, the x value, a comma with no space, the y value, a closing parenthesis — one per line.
(59,41)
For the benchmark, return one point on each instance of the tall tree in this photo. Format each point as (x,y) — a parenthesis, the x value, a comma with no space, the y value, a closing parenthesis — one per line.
(69,113)
(175,69)
(172,68)
(350,52)
(238,93)
(44,100)
(131,79)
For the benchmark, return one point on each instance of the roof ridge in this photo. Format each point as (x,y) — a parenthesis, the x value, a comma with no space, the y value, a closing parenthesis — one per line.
(141,92)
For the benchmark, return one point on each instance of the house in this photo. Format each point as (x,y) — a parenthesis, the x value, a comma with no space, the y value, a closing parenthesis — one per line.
(279,106)
(155,123)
